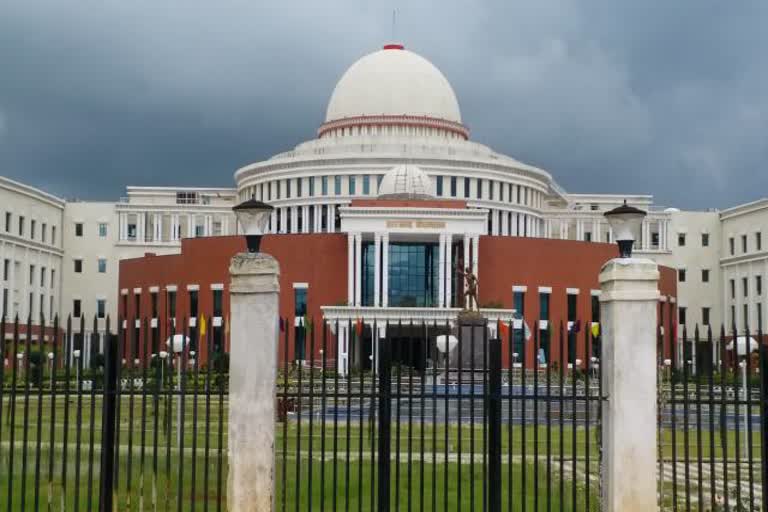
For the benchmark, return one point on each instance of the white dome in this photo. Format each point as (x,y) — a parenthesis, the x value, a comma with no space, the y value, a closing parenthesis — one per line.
(393,82)
(405,182)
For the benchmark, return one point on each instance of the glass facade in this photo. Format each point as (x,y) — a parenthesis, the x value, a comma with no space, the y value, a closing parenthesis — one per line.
(413,277)
(300,311)
(369,268)
(518,336)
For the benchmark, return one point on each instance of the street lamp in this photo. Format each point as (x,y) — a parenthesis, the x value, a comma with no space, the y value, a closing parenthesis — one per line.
(76,355)
(50,358)
(253,216)
(177,343)
(625,221)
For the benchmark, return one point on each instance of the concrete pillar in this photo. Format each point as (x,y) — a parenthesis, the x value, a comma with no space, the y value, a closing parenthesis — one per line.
(358,268)
(377,269)
(628,309)
(448,269)
(350,269)
(504,223)
(441,272)
(305,220)
(190,225)
(514,224)
(331,221)
(254,301)
(385,270)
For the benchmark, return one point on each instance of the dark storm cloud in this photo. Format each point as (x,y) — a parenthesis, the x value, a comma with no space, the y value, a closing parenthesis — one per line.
(666,98)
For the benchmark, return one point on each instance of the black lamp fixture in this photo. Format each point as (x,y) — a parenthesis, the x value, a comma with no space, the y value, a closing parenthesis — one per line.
(253,216)
(625,221)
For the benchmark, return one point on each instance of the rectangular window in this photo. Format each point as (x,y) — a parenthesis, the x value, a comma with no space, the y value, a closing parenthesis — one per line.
(78,229)
(572,302)
(439,186)
(705,275)
(543,356)
(53,235)
(6,269)
(681,315)
(759,285)
(745,286)
(193,303)
(453,186)
(746,315)
(31,274)
(352,182)
(587,236)
(705,239)
(42,276)
(218,302)
(759,325)
(705,316)
(43,232)
(518,303)
(491,184)
(731,243)
(324,185)
(733,288)
(544,306)
(76,308)
(78,266)
(299,187)
(21,226)
(5,302)
(681,275)
(337,185)
(733,316)
(7,222)
(367,185)
(311,186)
(681,239)
(269,191)
(479,190)
(743,243)
(758,241)
(154,304)
(102,265)
(288,188)
(171,304)
(137,305)
(32,226)
(101,308)
(102,230)
(300,311)
(53,278)
(467,182)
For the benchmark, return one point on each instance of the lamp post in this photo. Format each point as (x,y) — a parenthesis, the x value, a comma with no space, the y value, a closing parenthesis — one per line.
(76,355)
(253,216)
(625,222)
(177,343)
(50,359)
(20,358)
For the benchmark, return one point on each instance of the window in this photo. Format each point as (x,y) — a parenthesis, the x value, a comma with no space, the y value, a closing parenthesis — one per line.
(42,276)
(288,188)
(76,308)
(758,241)
(733,288)
(6,269)
(101,308)
(31,274)
(413,275)
(337,185)
(53,235)
(352,182)
(78,229)
(705,316)
(44,232)
(543,354)
(102,230)
(588,236)
(5,302)
(186,197)
(705,239)
(491,184)
(759,285)
(453,186)
(311,186)
(299,187)
(466,187)
(681,239)
(78,266)
(300,311)
(193,303)
(7,222)
(479,188)
(759,325)
(171,304)
(439,186)
(32,226)
(518,303)
(324,185)
(681,315)
(681,275)
(269,191)
(745,286)
(746,315)
(744,243)
(705,275)
(366,185)
(218,302)
(21,225)
(102,265)
(53,278)
(154,304)
(731,243)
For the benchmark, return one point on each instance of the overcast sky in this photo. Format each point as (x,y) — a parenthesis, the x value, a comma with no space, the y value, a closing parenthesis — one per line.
(668,98)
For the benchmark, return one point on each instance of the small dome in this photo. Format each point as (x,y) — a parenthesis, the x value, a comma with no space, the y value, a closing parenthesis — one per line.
(405,182)
(393,82)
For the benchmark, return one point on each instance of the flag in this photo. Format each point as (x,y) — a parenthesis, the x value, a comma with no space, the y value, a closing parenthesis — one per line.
(503,330)
(359,327)
(595,329)
(307,324)
(202,327)
(576,326)
(282,325)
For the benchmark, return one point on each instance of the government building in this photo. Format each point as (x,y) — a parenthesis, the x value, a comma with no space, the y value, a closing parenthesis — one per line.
(377,218)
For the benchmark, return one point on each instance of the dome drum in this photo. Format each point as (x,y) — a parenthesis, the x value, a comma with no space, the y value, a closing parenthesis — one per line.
(395,120)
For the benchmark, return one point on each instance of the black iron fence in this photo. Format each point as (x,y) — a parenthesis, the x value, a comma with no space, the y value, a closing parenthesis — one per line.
(713,440)
(130,430)
(423,416)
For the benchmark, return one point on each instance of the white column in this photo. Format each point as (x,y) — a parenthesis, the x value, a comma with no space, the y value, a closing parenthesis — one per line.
(358,268)
(331,221)
(273,222)
(208,225)
(629,305)
(377,269)
(448,269)
(305,219)
(225,225)
(563,229)
(385,270)
(12,283)
(343,349)
(597,236)
(350,269)
(514,224)
(316,224)
(123,226)
(190,225)
(283,228)
(441,273)
(504,223)
(475,255)
(254,293)
(494,223)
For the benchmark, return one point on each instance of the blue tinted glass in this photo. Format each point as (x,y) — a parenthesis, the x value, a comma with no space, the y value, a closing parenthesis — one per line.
(300,300)
(369,261)
(413,275)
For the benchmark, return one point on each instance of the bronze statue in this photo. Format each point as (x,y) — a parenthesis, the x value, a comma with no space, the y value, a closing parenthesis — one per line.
(470,285)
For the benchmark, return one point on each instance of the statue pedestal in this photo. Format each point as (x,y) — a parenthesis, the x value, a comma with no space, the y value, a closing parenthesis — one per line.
(473,336)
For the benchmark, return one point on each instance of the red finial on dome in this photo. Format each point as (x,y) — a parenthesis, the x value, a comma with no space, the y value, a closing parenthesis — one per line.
(394,46)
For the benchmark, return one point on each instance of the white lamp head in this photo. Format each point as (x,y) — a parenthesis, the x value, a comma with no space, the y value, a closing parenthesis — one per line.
(253,217)
(163,354)
(625,221)
(50,356)
(76,354)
